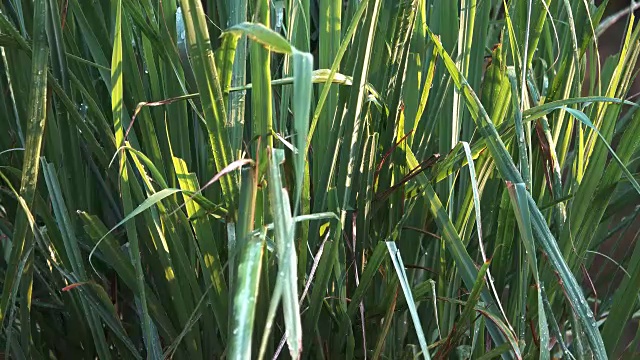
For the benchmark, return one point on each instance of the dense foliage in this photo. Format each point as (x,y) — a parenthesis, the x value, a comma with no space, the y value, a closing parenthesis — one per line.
(318,179)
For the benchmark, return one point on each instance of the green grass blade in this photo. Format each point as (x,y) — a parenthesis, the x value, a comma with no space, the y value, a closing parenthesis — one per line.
(509,172)
(117,259)
(262,35)
(518,194)
(388,321)
(71,246)
(454,245)
(344,45)
(211,96)
(406,289)
(287,259)
(249,272)
(467,313)
(539,111)
(302,88)
(237,15)
(329,42)
(118,113)
(478,214)
(262,94)
(22,237)
(523,151)
(209,254)
(582,117)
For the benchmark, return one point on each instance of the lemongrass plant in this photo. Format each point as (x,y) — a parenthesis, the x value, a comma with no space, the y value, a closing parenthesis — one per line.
(335,179)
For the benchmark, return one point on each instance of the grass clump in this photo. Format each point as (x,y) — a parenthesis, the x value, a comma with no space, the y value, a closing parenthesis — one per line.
(317,179)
